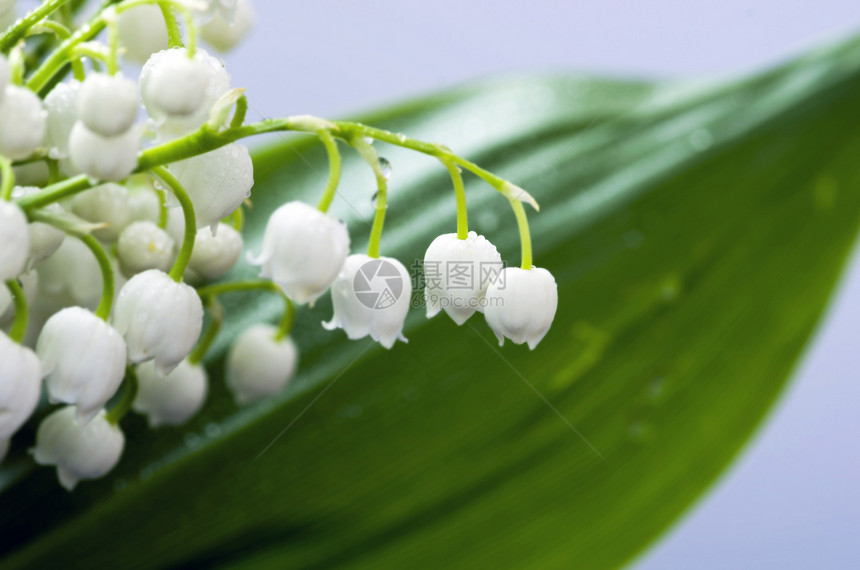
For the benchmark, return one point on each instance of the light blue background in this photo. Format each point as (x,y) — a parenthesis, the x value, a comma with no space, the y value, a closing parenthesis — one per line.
(792,500)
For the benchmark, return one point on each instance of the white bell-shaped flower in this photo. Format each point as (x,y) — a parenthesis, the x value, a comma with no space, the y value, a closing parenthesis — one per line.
(61,106)
(14,240)
(143,245)
(179,92)
(105,204)
(160,319)
(371,297)
(215,255)
(259,365)
(457,273)
(30,283)
(45,239)
(173,398)
(521,305)
(107,104)
(79,452)
(23,122)
(83,360)
(223,32)
(71,276)
(217,182)
(142,32)
(20,385)
(104,158)
(173,84)
(303,251)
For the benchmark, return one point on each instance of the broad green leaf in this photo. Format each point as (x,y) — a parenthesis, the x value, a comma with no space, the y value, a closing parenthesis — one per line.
(696,233)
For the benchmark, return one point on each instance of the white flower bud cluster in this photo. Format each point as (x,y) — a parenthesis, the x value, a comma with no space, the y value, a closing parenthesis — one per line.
(95,126)
(104,263)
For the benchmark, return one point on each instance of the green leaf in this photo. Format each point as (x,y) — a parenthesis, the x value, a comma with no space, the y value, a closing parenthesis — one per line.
(696,233)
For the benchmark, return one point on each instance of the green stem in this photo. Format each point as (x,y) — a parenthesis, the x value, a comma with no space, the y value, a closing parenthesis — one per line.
(20,28)
(286,323)
(54,63)
(88,51)
(7,183)
(460,190)
(162,208)
(106,302)
(199,352)
(124,405)
(113,47)
(178,269)
(191,30)
(525,235)
(333,170)
(206,139)
(368,153)
(19,325)
(174,37)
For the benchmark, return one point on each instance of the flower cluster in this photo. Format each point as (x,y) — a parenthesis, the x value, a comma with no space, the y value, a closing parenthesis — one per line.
(121,201)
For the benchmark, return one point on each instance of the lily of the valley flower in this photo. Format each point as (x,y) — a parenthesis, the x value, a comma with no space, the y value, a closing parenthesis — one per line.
(23,121)
(259,365)
(160,319)
(44,238)
(104,158)
(173,398)
(142,246)
(223,32)
(522,305)
(371,297)
(107,104)
(457,273)
(303,251)
(108,204)
(217,182)
(83,360)
(20,384)
(14,240)
(78,451)
(214,255)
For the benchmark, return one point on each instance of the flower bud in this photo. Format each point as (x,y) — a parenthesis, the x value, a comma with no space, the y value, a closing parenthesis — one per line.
(71,276)
(80,452)
(173,398)
(142,32)
(142,246)
(20,385)
(173,84)
(217,182)
(521,305)
(215,255)
(45,239)
(223,33)
(83,360)
(23,121)
(457,273)
(159,318)
(14,240)
(104,158)
(259,365)
(107,104)
(107,203)
(371,297)
(61,105)
(303,251)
